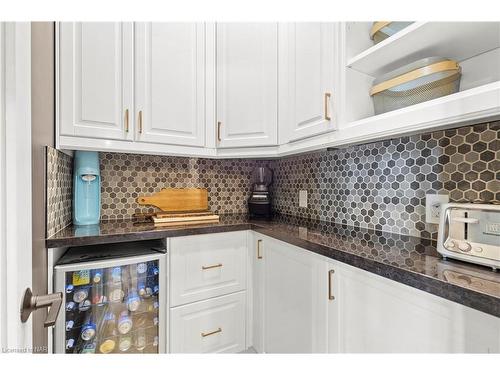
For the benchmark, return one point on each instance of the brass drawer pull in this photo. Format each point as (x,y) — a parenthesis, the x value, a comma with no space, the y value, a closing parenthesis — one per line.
(327,99)
(126,120)
(218,330)
(331,297)
(259,255)
(203,268)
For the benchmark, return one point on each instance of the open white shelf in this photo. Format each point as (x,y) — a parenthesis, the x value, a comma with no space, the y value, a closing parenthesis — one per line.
(456,40)
(464,107)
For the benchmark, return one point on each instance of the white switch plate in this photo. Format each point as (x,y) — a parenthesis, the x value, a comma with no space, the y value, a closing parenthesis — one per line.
(433,204)
(303,198)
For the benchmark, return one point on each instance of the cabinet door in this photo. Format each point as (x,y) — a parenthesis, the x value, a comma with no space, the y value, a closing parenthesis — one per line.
(383,316)
(247,84)
(170,83)
(296,300)
(310,52)
(333,275)
(96,79)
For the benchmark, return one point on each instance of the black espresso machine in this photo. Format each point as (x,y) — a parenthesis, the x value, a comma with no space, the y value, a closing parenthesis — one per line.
(259,203)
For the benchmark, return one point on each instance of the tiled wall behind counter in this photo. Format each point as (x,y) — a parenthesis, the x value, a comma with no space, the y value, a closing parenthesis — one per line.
(383,185)
(126,176)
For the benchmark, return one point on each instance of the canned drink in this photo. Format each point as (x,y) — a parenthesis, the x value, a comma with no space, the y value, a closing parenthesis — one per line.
(69,288)
(70,343)
(124,323)
(80,294)
(69,325)
(84,305)
(70,306)
(88,330)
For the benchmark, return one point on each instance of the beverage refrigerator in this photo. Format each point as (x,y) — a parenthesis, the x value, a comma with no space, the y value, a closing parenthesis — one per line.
(114,299)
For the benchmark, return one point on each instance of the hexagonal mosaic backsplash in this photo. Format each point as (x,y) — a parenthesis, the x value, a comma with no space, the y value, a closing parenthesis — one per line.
(59,190)
(380,185)
(383,185)
(126,176)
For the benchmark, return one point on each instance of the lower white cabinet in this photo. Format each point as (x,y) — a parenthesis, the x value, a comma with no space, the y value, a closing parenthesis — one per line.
(280,298)
(294,300)
(307,303)
(216,325)
(378,315)
(208,293)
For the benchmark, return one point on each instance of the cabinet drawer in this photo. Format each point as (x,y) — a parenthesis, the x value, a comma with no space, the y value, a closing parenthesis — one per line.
(213,326)
(206,266)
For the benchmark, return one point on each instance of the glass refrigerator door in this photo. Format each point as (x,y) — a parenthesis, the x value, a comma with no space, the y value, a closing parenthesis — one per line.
(113,310)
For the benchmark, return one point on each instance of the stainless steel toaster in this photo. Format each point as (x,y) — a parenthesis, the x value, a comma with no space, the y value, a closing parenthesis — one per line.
(470,232)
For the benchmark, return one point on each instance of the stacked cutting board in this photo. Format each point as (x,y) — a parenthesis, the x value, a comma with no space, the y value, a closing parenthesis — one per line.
(180,207)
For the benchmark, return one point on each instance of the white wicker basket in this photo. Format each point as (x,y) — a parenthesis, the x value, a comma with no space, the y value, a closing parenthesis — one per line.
(382,30)
(423,80)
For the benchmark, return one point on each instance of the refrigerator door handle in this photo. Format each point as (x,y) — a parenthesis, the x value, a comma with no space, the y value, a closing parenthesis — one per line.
(31,303)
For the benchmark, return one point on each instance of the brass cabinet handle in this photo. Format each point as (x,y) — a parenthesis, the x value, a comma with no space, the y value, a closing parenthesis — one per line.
(259,255)
(213,266)
(327,99)
(218,131)
(331,297)
(140,122)
(218,330)
(126,120)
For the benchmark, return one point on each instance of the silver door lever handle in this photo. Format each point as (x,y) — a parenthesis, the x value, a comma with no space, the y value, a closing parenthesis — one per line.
(31,303)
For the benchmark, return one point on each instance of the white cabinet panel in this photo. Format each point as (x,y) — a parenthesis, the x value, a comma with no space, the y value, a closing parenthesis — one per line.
(216,325)
(380,315)
(247,84)
(296,298)
(170,83)
(206,266)
(96,79)
(308,84)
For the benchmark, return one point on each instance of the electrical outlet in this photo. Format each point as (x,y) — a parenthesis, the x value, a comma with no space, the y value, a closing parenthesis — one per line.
(303,198)
(433,204)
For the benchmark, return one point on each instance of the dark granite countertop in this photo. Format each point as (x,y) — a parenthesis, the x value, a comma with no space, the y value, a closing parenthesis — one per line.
(409,260)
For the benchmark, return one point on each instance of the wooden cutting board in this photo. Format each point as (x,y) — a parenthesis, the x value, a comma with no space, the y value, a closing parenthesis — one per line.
(186,220)
(179,223)
(177,200)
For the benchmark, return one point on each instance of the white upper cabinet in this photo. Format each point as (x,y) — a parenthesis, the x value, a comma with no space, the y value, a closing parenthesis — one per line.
(307,87)
(247,84)
(170,83)
(96,80)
